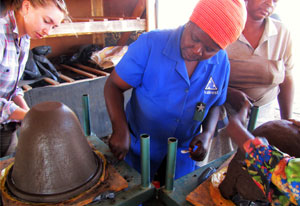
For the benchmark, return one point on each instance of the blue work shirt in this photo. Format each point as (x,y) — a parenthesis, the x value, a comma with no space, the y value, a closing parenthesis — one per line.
(164,99)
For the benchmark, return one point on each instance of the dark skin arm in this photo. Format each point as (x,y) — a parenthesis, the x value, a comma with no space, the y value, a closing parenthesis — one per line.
(119,141)
(286,97)
(236,130)
(202,140)
(236,98)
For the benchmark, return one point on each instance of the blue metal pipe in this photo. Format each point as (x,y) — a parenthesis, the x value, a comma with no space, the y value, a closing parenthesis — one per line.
(171,163)
(145,160)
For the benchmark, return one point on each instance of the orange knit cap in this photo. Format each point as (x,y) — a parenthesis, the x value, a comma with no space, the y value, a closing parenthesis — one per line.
(222,20)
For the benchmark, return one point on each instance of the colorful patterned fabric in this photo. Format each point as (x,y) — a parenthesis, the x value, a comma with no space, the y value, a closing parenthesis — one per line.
(274,172)
(13,57)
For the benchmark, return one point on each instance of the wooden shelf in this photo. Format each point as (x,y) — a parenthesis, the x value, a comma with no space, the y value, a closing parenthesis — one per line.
(83,28)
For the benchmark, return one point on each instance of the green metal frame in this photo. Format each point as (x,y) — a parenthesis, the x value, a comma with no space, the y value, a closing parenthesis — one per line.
(145,160)
(171,163)
(186,184)
(86,114)
(253,118)
(135,194)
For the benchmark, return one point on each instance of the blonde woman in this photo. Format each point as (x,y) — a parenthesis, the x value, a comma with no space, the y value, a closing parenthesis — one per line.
(20,21)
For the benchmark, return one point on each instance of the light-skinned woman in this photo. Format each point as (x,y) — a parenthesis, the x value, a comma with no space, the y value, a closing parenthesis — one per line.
(20,21)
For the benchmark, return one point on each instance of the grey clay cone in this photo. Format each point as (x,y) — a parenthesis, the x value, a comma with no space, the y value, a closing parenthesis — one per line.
(54,161)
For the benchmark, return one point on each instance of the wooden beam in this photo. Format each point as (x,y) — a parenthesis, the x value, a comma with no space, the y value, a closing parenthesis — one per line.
(97,7)
(89,75)
(66,78)
(151,15)
(50,81)
(139,8)
(101,18)
(137,12)
(83,28)
(96,71)
(97,10)
(26,87)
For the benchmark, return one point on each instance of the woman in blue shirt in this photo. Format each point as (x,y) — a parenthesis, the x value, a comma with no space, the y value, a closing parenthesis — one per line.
(179,79)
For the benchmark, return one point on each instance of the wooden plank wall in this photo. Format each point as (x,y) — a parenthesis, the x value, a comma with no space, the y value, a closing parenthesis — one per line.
(87,9)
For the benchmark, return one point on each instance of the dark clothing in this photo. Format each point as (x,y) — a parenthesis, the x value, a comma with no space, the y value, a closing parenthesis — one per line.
(8,138)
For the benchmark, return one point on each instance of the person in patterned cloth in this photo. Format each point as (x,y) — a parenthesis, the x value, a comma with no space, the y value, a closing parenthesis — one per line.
(276,173)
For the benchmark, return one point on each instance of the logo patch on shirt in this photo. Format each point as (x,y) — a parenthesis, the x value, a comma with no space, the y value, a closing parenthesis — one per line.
(199,112)
(211,87)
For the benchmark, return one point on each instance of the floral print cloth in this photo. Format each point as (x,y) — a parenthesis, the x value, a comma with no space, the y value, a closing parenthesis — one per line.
(275,173)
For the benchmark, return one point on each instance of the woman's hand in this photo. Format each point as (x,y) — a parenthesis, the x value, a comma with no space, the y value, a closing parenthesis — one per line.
(119,143)
(199,146)
(296,123)
(18,114)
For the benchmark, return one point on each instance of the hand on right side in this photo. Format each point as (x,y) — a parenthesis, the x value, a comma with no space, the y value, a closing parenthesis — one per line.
(295,122)
(119,144)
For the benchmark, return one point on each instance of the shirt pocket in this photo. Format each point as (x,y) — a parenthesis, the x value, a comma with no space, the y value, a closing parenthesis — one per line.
(277,69)
(5,71)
